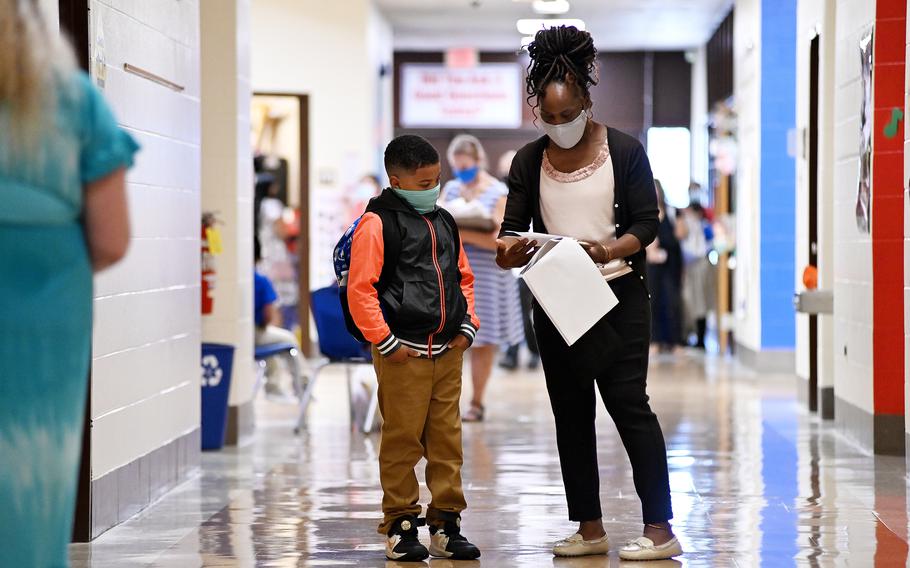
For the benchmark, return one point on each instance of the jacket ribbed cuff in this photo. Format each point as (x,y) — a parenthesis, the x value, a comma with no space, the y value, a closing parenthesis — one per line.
(469,331)
(388,345)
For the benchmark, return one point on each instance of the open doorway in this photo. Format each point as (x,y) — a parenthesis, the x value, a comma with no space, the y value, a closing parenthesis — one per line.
(74,23)
(812,209)
(282,202)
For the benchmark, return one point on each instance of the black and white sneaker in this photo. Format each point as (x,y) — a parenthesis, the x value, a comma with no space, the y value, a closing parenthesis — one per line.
(403,544)
(448,542)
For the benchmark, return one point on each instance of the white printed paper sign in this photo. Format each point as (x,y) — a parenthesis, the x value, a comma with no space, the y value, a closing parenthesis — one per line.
(485,96)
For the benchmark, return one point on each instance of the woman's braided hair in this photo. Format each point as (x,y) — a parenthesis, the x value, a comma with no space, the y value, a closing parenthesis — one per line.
(558,53)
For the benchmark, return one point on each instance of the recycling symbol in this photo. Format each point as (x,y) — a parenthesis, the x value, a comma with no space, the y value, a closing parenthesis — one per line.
(211,371)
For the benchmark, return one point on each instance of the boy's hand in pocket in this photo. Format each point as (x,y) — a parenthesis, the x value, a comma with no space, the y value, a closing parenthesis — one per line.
(401,356)
(460,342)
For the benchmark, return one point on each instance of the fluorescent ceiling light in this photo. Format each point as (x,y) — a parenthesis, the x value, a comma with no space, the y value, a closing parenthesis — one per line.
(551,7)
(530,26)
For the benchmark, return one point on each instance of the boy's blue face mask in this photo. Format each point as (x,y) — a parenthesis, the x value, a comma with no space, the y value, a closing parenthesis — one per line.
(423,201)
(467,175)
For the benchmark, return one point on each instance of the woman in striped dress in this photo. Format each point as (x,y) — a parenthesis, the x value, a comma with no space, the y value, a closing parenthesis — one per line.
(496,294)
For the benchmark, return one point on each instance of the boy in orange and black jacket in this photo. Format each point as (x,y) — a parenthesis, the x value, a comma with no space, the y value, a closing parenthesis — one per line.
(419,316)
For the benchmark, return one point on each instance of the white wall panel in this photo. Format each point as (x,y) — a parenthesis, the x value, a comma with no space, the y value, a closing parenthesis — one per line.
(852,250)
(145,370)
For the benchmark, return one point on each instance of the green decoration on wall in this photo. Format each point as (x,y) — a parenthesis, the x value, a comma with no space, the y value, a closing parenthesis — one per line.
(897,115)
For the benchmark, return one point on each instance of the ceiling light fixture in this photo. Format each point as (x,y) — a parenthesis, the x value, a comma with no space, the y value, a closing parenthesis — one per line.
(551,7)
(530,26)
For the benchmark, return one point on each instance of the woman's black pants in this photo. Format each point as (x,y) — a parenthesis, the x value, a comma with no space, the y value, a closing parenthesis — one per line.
(613,355)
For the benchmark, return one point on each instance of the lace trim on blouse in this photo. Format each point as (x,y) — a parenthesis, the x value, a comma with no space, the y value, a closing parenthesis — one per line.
(577,175)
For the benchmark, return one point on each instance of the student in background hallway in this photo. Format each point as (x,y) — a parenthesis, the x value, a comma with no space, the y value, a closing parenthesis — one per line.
(699,285)
(63,162)
(495,291)
(665,265)
(593,183)
(510,357)
(368,187)
(268,327)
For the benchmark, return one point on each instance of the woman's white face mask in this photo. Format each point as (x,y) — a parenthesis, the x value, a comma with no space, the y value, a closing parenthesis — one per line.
(569,134)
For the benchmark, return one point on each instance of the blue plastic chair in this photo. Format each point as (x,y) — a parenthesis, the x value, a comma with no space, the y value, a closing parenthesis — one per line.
(290,351)
(338,348)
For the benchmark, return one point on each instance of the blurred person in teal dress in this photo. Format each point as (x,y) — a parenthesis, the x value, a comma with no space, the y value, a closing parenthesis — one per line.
(63,216)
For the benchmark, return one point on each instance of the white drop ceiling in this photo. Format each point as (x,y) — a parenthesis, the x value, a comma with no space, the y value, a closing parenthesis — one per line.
(617,25)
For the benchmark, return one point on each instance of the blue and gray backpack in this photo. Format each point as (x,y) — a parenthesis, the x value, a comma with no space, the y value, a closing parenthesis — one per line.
(342,261)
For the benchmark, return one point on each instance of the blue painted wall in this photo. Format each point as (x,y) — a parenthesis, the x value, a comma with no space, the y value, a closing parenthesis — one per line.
(778,174)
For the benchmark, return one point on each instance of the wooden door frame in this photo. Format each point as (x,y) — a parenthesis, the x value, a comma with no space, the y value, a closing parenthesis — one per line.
(74,23)
(812,245)
(303,239)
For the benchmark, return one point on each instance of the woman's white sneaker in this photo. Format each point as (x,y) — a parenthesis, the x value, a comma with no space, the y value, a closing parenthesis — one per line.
(576,545)
(643,548)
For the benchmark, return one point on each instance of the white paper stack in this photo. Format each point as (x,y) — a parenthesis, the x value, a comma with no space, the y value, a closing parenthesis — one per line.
(569,287)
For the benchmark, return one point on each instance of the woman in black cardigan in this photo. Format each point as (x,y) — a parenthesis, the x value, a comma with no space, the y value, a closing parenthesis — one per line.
(593,183)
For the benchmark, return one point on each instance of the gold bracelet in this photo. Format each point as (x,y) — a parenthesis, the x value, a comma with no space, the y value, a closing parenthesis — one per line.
(607,252)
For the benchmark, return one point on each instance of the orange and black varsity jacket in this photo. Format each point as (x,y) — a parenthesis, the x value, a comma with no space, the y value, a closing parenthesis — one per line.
(427,298)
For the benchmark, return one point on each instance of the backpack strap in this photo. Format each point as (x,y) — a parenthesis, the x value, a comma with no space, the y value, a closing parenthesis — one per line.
(450,221)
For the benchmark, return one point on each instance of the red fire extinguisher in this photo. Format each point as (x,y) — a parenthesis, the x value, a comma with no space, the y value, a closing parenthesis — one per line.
(208,262)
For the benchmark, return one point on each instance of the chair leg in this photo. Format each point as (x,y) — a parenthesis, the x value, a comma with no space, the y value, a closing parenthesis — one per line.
(371,411)
(260,376)
(296,374)
(305,399)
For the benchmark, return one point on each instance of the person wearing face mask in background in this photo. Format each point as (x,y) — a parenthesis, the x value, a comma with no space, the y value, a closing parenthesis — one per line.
(594,183)
(510,359)
(497,299)
(368,187)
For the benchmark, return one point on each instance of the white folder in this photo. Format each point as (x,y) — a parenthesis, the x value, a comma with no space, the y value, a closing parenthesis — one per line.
(569,287)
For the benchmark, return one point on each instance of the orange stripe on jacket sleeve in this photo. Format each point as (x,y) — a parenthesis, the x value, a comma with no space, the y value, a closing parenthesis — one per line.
(467,284)
(366,265)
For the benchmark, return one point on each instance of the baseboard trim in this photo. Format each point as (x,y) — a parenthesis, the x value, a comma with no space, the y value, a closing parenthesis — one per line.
(241,424)
(826,403)
(889,434)
(124,492)
(881,434)
(767,360)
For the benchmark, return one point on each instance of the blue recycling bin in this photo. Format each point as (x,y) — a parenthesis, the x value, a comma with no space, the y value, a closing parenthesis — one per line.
(217,362)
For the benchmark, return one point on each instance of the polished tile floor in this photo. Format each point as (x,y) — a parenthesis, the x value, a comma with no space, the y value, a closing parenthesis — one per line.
(756,482)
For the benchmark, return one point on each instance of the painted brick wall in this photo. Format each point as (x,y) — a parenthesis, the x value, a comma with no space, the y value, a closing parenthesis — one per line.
(906,207)
(145,380)
(778,178)
(888,207)
(747,91)
(816,16)
(853,370)
(227,180)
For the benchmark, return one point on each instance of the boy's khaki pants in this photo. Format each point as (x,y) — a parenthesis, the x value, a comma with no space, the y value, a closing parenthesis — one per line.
(419,402)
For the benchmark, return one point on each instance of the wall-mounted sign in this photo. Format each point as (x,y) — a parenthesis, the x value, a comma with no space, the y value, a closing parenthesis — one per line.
(436,96)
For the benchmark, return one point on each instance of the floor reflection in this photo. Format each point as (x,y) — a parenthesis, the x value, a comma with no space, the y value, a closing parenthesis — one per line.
(756,482)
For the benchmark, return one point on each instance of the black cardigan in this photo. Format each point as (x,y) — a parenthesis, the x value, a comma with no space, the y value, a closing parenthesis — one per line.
(635,198)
